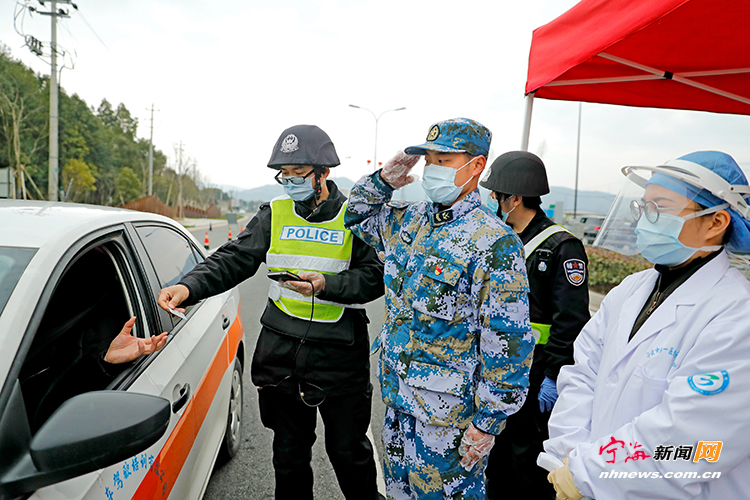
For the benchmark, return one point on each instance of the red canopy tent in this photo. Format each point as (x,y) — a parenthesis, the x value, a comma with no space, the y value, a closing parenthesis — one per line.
(678,54)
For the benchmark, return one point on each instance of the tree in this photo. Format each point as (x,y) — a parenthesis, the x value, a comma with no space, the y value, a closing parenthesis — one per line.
(183,166)
(22,122)
(128,187)
(102,141)
(78,180)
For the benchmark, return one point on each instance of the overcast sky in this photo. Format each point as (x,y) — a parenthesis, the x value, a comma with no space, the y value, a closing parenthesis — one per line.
(228,77)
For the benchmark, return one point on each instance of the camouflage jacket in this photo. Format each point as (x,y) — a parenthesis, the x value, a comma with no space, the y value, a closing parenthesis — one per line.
(456,344)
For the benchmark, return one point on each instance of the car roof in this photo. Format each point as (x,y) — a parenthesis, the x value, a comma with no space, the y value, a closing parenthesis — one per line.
(32,224)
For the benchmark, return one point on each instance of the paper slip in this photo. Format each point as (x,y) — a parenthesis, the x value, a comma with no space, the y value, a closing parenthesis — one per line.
(178,313)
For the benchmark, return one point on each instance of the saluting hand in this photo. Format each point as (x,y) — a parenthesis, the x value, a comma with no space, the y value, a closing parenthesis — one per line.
(396,170)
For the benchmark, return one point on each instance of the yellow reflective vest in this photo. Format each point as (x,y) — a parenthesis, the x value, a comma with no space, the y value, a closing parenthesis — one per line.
(298,245)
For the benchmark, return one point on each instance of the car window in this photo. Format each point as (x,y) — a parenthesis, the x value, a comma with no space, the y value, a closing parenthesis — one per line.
(13,261)
(171,254)
(87,310)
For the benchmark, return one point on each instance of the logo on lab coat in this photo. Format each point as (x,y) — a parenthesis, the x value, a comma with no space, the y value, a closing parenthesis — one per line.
(575,271)
(709,384)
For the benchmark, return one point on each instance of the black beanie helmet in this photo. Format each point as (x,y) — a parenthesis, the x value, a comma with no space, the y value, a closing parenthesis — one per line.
(303,145)
(517,173)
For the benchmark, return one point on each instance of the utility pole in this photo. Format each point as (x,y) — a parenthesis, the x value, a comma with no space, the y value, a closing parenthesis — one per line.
(180,212)
(53,109)
(151,155)
(52,187)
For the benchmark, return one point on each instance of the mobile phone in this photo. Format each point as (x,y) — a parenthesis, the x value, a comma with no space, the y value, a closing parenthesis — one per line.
(283,276)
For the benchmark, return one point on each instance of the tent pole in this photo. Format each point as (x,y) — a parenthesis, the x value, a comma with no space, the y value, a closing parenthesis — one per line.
(578,155)
(677,77)
(527,122)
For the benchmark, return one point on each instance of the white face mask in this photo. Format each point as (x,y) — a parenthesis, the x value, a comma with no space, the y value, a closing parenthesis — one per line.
(440,183)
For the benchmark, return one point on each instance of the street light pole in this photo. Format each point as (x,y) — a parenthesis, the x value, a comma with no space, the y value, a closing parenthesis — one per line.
(377,119)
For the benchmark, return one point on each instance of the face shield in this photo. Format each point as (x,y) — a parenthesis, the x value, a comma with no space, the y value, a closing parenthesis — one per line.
(656,202)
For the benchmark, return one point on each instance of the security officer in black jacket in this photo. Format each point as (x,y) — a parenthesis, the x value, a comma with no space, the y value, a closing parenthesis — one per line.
(559,308)
(302,365)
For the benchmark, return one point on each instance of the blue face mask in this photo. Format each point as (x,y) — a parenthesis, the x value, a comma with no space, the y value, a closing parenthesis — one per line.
(493,205)
(659,241)
(440,183)
(504,215)
(300,192)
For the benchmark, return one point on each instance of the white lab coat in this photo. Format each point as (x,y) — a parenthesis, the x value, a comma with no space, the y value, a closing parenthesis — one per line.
(640,393)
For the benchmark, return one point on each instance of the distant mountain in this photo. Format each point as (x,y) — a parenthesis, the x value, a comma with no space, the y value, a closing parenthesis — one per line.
(595,202)
(588,201)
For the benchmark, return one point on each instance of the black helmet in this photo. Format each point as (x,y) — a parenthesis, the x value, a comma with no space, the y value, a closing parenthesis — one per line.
(517,173)
(304,145)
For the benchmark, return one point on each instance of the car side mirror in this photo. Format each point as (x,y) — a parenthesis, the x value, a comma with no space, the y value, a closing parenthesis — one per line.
(88,432)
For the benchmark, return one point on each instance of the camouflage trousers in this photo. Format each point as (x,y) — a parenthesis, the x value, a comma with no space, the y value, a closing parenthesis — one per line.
(422,462)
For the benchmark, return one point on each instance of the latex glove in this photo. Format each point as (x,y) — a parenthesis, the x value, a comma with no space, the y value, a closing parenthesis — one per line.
(396,170)
(475,444)
(562,480)
(303,287)
(173,296)
(125,348)
(547,395)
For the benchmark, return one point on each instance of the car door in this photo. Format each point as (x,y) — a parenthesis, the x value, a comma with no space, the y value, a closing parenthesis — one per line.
(100,281)
(207,344)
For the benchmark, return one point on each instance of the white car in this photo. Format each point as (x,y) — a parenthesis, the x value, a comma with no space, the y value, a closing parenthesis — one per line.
(71,425)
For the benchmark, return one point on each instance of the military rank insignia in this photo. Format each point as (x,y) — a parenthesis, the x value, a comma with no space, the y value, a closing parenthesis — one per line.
(442,217)
(575,271)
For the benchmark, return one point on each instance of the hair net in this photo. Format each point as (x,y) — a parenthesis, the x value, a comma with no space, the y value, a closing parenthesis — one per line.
(723,165)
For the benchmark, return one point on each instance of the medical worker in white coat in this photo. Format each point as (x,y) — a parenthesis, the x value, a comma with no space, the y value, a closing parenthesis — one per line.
(658,400)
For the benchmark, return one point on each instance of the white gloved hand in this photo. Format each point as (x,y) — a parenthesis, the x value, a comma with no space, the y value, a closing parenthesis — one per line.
(475,444)
(303,287)
(396,170)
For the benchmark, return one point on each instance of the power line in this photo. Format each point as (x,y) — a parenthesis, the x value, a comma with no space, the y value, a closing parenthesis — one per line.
(92,29)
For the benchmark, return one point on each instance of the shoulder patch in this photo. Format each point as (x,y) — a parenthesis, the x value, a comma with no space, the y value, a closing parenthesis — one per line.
(575,271)
(405,237)
(709,384)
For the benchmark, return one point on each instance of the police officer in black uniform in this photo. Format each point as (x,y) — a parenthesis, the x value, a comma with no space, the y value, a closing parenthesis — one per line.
(559,308)
(302,366)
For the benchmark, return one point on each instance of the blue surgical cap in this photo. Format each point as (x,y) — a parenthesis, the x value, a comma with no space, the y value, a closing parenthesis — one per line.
(723,165)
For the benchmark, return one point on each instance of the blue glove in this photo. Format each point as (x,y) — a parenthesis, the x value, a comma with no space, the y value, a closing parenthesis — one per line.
(547,395)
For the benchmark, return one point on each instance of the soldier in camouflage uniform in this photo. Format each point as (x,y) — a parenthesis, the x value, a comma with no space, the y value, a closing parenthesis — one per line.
(456,343)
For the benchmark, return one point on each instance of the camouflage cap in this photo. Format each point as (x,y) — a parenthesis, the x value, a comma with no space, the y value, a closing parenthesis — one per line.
(459,135)
(304,145)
